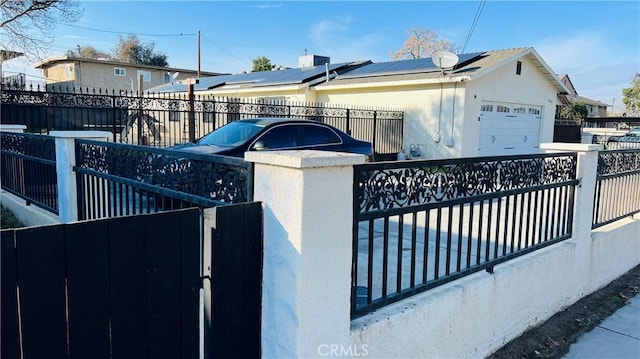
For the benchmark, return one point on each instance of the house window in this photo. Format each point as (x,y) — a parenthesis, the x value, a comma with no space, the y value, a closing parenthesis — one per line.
(174,116)
(119,71)
(486,108)
(208,117)
(167,78)
(68,69)
(146,75)
(534,111)
(519,68)
(503,109)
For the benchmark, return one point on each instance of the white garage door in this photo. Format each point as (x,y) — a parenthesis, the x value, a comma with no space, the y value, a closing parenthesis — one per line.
(509,129)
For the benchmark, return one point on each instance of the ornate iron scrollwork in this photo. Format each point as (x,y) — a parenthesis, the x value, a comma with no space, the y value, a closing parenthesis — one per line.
(613,162)
(38,146)
(380,187)
(208,179)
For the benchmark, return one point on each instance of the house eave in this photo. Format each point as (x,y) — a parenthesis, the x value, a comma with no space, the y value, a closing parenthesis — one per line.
(416,82)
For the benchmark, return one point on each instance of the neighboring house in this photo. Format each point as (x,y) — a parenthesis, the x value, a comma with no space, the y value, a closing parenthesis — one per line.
(595,108)
(497,102)
(111,75)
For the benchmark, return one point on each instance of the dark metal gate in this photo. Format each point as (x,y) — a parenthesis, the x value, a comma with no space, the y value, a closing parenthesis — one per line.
(130,287)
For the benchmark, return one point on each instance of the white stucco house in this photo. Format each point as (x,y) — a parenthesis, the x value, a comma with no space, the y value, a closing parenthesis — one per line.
(497,102)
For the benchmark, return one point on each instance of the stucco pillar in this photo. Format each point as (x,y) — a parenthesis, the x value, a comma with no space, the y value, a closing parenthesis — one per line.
(307,198)
(583,208)
(65,160)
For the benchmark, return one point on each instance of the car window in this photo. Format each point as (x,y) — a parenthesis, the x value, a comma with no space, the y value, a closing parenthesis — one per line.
(232,134)
(317,135)
(280,137)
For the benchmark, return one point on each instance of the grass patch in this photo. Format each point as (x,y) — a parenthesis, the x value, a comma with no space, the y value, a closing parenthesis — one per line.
(8,220)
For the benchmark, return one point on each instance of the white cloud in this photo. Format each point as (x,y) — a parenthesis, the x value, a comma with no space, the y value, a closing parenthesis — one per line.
(335,38)
(598,66)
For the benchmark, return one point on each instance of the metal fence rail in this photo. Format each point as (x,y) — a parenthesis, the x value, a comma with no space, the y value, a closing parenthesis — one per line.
(617,193)
(117,179)
(420,224)
(166,119)
(28,168)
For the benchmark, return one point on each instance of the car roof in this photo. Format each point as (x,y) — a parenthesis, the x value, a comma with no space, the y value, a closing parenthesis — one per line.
(265,121)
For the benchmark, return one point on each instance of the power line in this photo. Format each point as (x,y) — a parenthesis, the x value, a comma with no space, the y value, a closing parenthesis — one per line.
(225,50)
(127,33)
(473,25)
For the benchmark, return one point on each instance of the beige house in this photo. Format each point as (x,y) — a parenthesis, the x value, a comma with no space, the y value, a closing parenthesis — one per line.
(595,108)
(111,75)
(490,103)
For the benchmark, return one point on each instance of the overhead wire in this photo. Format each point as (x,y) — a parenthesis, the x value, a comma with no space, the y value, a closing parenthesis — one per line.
(473,25)
(225,50)
(128,32)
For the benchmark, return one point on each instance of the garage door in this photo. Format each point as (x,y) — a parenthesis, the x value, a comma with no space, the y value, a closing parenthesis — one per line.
(509,129)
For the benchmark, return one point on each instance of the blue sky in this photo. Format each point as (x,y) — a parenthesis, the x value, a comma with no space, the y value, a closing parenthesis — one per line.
(596,42)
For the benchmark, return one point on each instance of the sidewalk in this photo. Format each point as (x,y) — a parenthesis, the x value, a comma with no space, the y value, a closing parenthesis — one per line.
(617,337)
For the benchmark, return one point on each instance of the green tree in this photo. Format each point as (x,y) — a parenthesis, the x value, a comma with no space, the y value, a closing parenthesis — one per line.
(422,43)
(27,26)
(574,111)
(88,52)
(262,64)
(131,50)
(631,96)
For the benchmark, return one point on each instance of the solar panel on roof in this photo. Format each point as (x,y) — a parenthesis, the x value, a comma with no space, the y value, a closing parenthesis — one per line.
(402,66)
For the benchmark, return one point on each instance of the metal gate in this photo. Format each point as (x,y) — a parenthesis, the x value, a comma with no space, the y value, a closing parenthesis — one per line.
(131,286)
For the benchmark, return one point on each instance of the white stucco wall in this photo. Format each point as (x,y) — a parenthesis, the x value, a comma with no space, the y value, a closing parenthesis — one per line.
(306,286)
(428,119)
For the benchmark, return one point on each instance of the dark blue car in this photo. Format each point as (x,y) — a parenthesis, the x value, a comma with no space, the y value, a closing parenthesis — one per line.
(269,134)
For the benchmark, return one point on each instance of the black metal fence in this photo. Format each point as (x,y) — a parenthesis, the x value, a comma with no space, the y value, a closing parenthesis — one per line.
(28,168)
(116,179)
(420,224)
(167,119)
(617,193)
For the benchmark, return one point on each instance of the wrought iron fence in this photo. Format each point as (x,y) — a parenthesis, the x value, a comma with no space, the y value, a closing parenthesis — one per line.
(166,119)
(117,179)
(28,168)
(617,193)
(420,224)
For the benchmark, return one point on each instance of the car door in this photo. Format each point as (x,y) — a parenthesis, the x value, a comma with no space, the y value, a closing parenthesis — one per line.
(320,138)
(280,137)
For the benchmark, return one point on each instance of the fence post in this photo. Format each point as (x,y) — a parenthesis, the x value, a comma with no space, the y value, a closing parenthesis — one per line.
(307,250)
(65,160)
(584,202)
(191,111)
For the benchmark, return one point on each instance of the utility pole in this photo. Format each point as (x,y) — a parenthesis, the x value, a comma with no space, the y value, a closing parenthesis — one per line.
(198,53)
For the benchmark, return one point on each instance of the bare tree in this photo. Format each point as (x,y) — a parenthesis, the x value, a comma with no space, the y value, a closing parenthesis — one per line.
(27,25)
(422,43)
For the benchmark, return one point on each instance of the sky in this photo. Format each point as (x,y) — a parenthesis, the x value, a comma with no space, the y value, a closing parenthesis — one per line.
(597,43)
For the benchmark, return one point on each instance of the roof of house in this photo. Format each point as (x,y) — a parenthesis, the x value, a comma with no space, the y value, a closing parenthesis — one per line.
(368,73)
(67,59)
(289,76)
(588,101)
(470,66)
(8,54)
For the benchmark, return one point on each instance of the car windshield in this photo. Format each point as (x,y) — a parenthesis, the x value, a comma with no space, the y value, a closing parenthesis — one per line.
(232,134)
